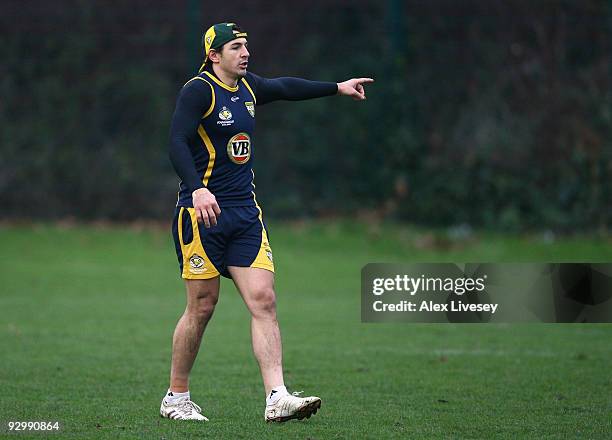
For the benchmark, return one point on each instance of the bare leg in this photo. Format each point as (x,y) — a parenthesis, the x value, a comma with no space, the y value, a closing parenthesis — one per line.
(202,296)
(257,289)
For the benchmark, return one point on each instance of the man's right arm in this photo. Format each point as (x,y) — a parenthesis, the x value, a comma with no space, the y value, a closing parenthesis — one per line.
(193,101)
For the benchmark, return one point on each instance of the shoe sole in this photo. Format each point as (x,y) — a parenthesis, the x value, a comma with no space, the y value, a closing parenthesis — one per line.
(182,420)
(169,417)
(303,413)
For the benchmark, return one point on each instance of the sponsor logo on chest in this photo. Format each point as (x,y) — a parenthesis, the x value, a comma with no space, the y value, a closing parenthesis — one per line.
(239,148)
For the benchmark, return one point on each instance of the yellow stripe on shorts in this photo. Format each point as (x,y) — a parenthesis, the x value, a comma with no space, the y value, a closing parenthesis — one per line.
(196,264)
(264,258)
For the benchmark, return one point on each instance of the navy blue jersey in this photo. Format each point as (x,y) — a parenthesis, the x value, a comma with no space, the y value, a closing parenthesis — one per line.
(211,140)
(223,148)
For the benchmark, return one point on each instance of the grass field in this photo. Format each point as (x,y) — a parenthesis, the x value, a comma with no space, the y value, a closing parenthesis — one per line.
(88,314)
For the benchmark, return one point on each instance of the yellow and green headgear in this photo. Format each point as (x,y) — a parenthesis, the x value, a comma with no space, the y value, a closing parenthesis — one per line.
(217,35)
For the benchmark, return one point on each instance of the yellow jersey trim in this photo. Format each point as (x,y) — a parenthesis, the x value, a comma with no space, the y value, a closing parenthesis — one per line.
(212,90)
(195,77)
(212,102)
(221,83)
(211,154)
(250,89)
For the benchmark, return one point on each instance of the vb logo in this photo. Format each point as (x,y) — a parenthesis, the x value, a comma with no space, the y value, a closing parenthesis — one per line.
(239,148)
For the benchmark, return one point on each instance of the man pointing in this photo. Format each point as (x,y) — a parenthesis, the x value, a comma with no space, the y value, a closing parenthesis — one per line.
(218,225)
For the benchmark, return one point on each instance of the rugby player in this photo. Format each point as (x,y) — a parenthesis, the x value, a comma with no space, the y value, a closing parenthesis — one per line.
(218,226)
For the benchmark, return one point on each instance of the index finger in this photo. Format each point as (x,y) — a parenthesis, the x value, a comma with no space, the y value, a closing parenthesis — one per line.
(364,80)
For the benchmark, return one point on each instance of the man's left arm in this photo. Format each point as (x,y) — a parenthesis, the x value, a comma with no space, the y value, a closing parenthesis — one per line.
(297,89)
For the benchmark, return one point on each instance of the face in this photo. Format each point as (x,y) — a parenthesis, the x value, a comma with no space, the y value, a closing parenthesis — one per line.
(233,57)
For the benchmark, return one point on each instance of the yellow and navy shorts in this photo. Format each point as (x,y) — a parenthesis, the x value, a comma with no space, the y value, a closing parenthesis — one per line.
(239,239)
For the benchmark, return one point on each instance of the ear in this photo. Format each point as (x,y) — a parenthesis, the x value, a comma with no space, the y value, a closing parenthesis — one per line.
(213,56)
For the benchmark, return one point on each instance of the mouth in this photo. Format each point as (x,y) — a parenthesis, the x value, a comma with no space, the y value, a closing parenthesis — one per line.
(243,65)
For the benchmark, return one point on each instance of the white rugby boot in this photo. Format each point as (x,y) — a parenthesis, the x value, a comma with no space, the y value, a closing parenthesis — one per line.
(291,406)
(182,409)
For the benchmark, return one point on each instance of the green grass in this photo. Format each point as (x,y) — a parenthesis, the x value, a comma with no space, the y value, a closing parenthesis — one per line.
(88,314)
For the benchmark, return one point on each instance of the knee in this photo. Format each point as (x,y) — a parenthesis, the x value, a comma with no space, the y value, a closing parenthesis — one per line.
(203,305)
(264,302)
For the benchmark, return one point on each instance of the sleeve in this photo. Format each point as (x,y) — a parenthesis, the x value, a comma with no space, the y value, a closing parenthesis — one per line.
(193,101)
(290,89)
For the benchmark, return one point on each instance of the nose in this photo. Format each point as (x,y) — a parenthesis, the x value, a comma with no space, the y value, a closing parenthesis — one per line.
(245,52)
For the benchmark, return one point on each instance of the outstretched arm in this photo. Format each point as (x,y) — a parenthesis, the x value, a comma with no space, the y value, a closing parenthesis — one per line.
(297,89)
(289,89)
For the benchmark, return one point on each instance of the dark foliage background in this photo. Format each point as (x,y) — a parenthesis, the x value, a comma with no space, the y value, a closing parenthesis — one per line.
(496,114)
